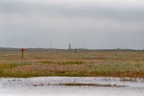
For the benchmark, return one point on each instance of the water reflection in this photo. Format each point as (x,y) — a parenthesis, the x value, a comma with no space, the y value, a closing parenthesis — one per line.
(71,86)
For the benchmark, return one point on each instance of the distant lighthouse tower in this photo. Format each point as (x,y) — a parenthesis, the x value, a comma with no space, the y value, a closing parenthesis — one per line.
(69,45)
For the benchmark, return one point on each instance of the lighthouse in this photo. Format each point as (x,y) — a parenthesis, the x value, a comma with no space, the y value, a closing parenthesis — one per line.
(69,45)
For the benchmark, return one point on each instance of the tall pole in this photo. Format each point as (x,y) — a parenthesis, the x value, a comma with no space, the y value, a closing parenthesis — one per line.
(22,50)
(22,55)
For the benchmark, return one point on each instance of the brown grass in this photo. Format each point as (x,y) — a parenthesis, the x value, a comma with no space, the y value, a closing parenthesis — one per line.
(115,64)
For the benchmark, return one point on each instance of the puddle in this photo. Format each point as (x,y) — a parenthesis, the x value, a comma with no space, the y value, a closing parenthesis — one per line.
(71,86)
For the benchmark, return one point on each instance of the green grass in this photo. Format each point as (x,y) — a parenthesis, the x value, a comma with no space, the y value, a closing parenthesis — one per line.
(100,85)
(63,62)
(120,70)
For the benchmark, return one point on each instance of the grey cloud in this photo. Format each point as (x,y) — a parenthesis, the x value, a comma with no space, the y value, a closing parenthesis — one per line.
(73,10)
(37,24)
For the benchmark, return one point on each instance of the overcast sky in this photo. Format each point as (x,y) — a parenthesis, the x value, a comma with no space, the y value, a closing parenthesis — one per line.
(92,24)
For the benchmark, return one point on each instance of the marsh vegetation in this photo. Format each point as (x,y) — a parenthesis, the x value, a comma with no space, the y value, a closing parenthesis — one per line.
(113,64)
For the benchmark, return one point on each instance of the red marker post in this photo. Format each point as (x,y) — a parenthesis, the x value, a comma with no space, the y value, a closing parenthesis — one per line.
(22,50)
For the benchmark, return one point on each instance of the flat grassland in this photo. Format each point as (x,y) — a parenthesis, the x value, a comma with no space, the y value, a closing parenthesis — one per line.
(112,64)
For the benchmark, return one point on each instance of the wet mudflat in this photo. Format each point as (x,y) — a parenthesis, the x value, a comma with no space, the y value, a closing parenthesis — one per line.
(71,86)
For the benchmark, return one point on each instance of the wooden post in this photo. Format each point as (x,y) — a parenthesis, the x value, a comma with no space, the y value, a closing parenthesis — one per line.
(22,50)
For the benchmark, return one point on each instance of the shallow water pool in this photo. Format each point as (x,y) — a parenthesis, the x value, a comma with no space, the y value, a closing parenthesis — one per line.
(71,86)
